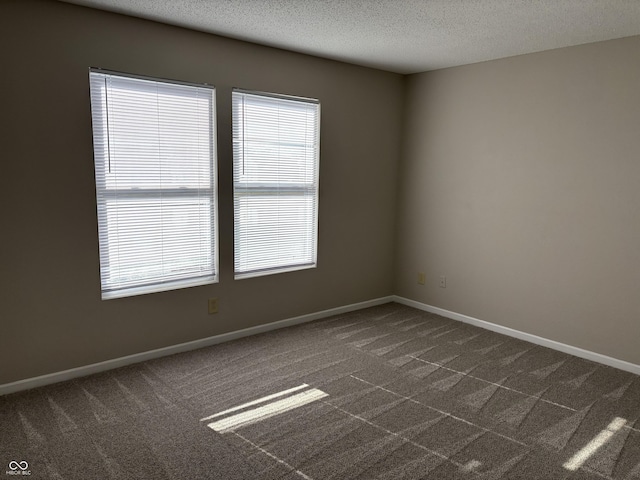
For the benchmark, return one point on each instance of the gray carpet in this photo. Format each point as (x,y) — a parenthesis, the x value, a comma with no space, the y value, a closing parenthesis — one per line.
(389,393)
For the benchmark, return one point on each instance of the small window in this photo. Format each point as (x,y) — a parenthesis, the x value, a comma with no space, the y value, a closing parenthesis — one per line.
(155,163)
(275,178)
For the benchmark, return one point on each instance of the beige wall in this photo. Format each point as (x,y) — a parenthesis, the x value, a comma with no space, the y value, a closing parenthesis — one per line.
(51,315)
(520,181)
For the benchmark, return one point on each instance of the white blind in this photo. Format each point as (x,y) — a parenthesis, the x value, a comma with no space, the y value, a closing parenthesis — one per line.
(275,178)
(154,157)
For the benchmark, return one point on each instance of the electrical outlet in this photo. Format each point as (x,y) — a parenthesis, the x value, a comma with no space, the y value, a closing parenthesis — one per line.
(443,282)
(213,305)
(421,278)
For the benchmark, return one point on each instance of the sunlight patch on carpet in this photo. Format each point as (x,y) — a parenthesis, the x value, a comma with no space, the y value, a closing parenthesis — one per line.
(263,412)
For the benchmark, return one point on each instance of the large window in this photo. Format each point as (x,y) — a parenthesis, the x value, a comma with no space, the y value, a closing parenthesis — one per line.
(155,163)
(275,179)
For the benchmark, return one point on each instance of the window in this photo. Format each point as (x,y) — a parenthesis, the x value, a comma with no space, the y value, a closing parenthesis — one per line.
(275,179)
(155,164)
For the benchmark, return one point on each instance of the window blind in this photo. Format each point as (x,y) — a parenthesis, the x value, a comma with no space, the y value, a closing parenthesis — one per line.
(155,157)
(275,177)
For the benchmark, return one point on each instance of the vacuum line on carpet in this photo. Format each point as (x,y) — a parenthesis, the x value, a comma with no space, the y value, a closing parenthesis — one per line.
(442,412)
(271,455)
(493,383)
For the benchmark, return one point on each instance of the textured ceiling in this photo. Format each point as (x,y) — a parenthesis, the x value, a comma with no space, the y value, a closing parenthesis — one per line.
(404,36)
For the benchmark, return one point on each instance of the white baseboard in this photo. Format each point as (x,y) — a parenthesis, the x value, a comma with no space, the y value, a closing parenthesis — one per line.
(182,347)
(562,347)
(225,337)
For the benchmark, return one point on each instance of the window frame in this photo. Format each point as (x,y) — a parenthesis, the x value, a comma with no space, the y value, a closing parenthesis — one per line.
(270,188)
(104,194)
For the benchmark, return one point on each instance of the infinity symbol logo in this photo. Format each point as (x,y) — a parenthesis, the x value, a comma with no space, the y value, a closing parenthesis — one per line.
(23,465)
